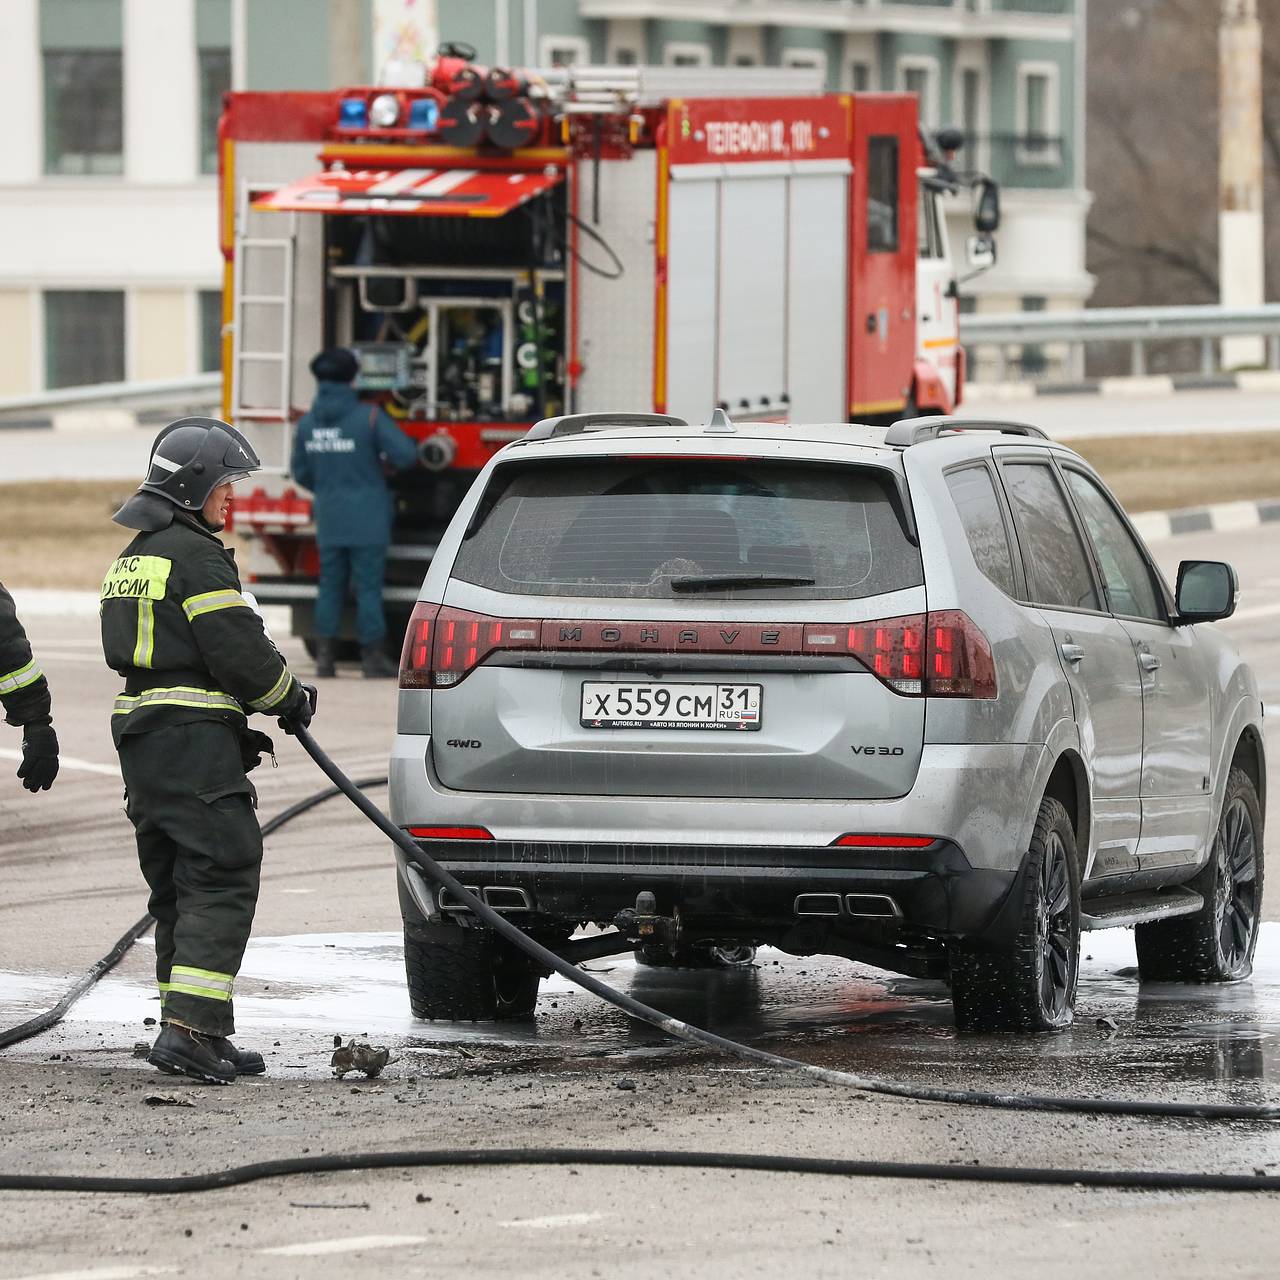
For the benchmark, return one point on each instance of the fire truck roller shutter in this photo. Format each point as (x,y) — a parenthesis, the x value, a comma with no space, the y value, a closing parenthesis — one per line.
(529,235)
(757,289)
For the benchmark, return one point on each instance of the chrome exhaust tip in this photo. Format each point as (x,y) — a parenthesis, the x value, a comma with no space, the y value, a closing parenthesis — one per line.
(817,904)
(504,898)
(876,905)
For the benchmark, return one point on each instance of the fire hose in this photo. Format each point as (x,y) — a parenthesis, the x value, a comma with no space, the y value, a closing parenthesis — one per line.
(679,1030)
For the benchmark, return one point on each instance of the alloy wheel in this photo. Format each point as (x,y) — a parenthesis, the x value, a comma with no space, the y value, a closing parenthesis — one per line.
(1236,884)
(1055,934)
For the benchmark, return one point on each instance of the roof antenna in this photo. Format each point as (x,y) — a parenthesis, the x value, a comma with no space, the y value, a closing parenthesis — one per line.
(719,421)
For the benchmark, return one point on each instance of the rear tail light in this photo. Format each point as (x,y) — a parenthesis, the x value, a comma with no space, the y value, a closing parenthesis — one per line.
(443,645)
(859,841)
(941,654)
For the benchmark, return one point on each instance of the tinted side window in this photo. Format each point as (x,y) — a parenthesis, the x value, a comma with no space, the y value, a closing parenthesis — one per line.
(1126,576)
(974,493)
(1057,572)
(882,194)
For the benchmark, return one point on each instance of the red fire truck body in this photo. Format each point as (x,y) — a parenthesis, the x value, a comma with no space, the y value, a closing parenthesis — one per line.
(778,256)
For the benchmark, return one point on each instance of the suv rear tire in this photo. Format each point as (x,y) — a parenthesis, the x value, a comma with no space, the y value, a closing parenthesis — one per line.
(1217,943)
(466,975)
(1032,986)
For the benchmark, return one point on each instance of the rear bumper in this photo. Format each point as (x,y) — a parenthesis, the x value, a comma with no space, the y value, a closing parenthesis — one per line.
(774,891)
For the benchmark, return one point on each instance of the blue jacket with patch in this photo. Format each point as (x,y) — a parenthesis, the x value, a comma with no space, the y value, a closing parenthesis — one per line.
(338,451)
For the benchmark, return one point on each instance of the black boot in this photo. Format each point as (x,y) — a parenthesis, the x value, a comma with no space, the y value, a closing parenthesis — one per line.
(375,664)
(179,1051)
(247,1062)
(326,654)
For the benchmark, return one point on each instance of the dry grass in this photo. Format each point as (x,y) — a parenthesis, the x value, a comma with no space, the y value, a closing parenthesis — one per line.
(58,533)
(1162,473)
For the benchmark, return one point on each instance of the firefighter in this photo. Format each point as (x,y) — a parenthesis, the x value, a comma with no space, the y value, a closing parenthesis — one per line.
(339,452)
(196,660)
(24,695)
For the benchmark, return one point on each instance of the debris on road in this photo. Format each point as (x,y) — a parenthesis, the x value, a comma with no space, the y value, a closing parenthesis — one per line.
(169,1100)
(365,1058)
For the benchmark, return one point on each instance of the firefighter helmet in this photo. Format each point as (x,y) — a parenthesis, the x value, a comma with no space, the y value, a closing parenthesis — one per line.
(189,459)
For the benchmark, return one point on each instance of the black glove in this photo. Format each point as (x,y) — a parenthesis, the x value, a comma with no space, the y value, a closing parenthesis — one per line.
(299,709)
(253,746)
(39,764)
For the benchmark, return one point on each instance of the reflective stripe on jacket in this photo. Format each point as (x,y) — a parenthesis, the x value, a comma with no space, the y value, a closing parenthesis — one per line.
(188,644)
(24,692)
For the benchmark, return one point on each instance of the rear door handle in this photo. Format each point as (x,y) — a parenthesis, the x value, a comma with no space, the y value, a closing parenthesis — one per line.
(1072,652)
(1148,662)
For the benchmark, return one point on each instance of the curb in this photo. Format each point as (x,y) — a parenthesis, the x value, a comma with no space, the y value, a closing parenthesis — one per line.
(1221,517)
(1157,385)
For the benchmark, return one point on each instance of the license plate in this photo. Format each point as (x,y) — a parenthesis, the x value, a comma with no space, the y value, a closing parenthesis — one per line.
(660,705)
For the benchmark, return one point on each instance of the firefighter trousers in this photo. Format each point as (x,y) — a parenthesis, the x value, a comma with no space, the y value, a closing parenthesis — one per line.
(364,568)
(200,849)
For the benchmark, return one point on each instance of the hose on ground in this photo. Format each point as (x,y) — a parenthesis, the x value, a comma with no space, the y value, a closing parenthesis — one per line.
(51,1017)
(762,1162)
(679,1030)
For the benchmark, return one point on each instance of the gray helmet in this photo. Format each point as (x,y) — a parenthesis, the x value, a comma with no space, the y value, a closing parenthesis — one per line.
(189,459)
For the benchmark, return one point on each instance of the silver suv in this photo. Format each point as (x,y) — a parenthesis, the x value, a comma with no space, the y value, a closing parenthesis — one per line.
(918,697)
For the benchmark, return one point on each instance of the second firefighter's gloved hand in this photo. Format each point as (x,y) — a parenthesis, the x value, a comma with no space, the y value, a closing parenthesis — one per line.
(299,709)
(39,764)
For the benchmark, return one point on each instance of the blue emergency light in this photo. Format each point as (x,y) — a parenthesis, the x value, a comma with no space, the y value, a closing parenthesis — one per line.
(353,113)
(424,113)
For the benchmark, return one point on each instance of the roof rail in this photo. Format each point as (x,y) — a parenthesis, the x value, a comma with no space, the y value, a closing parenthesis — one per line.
(908,431)
(572,424)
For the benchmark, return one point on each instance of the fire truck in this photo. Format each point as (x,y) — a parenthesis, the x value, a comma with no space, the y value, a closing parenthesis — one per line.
(500,246)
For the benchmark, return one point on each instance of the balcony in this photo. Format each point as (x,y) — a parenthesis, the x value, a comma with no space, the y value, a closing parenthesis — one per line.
(1024,161)
(965,19)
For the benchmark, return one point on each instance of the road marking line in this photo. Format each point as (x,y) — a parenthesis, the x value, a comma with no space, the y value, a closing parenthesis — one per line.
(70,762)
(101,1273)
(553,1220)
(348,1244)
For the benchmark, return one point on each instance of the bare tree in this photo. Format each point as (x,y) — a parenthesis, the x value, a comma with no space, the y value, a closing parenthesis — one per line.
(1153,149)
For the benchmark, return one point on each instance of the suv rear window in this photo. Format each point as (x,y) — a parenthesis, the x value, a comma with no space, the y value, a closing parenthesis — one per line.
(610,527)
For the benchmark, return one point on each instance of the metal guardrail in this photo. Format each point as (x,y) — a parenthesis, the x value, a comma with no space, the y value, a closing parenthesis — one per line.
(202,390)
(1137,326)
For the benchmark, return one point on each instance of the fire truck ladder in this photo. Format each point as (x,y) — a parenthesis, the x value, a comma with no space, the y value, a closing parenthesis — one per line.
(257,259)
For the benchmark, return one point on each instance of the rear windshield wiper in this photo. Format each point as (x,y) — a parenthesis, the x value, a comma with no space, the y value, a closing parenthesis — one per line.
(728,581)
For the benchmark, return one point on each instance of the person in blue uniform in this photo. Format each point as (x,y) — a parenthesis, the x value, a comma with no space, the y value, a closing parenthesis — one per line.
(341,452)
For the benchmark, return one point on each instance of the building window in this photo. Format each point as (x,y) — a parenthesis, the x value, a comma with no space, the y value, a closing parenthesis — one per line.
(860,76)
(215,80)
(83,337)
(563,51)
(882,194)
(815,58)
(973,117)
(210,330)
(1038,114)
(681,54)
(83,111)
(919,75)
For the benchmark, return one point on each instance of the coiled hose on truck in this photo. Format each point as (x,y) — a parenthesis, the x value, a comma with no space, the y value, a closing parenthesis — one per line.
(1134,1179)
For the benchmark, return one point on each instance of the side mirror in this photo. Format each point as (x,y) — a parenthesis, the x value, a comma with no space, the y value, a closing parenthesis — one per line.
(1207,591)
(986,209)
(980,252)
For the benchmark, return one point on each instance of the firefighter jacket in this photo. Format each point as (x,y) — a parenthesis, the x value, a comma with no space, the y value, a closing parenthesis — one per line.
(188,644)
(338,453)
(24,692)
